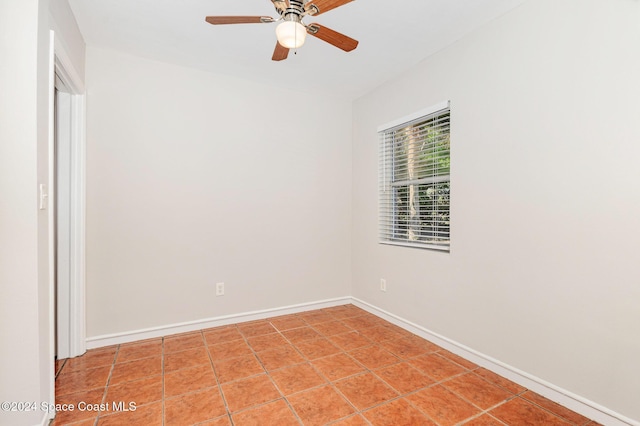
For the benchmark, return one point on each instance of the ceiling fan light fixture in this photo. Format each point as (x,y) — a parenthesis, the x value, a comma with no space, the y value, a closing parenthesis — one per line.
(291,34)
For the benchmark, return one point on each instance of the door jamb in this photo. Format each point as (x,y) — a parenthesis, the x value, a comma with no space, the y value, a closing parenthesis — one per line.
(66,71)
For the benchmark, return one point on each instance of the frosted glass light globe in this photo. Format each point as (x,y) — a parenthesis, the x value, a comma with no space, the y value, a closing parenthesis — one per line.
(291,34)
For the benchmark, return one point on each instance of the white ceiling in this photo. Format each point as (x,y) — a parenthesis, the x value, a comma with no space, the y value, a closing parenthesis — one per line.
(393,36)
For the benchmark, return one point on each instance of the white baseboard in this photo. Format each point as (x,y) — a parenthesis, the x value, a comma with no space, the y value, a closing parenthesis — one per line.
(46,419)
(150,333)
(563,397)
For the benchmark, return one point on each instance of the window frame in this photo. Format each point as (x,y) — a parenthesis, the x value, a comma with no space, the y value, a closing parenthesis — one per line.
(388,227)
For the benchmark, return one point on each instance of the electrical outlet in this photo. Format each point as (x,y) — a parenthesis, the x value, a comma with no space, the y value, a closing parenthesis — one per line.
(383,284)
(220,289)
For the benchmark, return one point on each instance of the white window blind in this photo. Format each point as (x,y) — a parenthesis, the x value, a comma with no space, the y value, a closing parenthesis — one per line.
(414,181)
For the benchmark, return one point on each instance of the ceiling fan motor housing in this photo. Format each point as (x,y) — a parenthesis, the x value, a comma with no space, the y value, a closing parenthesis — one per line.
(294,12)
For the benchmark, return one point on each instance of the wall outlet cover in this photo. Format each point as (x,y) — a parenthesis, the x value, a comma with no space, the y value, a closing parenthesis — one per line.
(220,289)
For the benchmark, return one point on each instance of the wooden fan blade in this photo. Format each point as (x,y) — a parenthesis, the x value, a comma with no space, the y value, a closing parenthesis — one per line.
(222,20)
(280,52)
(339,40)
(324,5)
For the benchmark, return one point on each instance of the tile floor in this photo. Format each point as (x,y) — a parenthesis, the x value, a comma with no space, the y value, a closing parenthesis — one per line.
(340,366)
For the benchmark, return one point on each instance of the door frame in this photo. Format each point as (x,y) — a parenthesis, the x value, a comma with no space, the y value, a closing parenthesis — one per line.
(74,84)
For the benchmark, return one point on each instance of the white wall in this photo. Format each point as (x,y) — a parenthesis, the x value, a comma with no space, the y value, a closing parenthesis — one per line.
(18,212)
(195,178)
(26,365)
(26,359)
(543,271)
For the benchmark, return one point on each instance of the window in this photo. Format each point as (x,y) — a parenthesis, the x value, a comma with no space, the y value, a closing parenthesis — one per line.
(414,180)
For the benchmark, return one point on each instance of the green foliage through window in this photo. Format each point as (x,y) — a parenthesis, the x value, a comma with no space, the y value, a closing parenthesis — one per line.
(415,182)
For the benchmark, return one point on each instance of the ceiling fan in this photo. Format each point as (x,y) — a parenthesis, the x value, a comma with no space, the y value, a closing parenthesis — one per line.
(291,31)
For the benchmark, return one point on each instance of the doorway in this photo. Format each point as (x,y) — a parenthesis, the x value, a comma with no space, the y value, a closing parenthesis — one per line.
(68,214)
